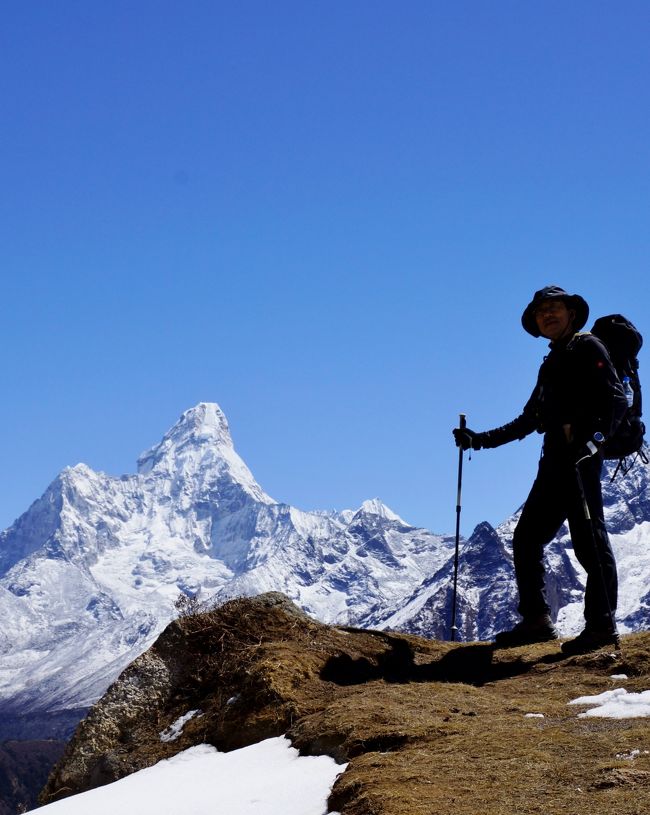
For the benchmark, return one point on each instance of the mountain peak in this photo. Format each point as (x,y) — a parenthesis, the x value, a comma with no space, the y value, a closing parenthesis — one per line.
(200,448)
(373,506)
(204,424)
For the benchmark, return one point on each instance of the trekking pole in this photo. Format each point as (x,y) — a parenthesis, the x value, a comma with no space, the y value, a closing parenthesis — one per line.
(454,627)
(588,518)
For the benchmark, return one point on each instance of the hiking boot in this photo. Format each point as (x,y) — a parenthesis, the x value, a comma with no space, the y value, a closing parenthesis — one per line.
(527,632)
(591,640)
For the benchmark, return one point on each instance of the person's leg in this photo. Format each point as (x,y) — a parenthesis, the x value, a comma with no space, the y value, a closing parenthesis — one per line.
(542,516)
(594,553)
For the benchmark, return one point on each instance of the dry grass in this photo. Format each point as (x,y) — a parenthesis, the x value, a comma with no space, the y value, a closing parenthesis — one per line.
(470,750)
(426,727)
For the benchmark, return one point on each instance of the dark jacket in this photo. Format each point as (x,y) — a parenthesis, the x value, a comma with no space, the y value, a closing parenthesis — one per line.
(577,385)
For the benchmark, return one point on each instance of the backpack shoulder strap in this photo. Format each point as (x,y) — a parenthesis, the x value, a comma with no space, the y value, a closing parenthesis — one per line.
(577,337)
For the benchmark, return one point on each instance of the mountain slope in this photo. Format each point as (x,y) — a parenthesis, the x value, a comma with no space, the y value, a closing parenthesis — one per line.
(91,572)
(486,588)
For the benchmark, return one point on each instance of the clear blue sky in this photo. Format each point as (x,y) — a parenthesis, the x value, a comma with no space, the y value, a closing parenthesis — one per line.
(325,216)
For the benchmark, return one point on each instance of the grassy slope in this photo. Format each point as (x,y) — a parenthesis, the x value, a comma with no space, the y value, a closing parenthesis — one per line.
(426,727)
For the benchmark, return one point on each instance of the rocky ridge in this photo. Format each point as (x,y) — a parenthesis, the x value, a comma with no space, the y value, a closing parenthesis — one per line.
(426,726)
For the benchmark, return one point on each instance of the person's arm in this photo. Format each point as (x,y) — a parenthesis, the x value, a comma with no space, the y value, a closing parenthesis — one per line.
(525,424)
(519,428)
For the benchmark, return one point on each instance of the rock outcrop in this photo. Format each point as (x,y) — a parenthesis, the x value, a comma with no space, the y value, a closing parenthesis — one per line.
(426,726)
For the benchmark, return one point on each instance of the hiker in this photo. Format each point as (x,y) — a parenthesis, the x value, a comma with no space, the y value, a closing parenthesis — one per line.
(577,403)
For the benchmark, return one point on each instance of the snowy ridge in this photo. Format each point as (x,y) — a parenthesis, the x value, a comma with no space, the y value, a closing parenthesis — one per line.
(90,573)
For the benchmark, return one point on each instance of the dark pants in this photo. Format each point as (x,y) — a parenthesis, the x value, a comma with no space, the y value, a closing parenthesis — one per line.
(554,498)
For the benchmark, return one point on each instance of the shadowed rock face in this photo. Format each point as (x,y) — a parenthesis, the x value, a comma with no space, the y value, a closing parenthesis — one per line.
(24,767)
(425,726)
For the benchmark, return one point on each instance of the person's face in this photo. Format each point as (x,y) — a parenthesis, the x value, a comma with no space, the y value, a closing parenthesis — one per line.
(554,320)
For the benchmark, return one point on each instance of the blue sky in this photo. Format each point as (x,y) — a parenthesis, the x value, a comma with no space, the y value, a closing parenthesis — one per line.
(326,217)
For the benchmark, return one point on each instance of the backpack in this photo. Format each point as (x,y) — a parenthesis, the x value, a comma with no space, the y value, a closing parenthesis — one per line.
(623,342)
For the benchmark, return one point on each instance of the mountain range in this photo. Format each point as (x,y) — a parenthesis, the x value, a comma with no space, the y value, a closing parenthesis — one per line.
(98,565)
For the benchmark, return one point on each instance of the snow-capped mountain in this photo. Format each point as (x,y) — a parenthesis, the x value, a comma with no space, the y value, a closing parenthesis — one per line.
(90,574)
(486,600)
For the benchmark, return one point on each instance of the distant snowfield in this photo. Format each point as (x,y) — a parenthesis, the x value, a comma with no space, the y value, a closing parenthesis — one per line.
(269,778)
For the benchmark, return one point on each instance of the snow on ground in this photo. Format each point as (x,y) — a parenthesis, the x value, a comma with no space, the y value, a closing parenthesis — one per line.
(175,730)
(268,778)
(615,704)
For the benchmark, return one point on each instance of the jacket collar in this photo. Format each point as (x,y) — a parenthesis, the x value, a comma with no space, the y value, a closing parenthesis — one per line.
(564,342)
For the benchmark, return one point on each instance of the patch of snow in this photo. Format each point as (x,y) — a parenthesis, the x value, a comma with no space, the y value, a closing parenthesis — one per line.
(268,778)
(615,704)
(631,755)
(175,729)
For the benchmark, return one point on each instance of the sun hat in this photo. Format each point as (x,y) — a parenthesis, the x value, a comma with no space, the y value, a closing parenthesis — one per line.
(573,302)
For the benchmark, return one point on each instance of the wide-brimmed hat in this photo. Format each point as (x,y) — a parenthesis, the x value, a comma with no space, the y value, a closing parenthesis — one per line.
(573,302)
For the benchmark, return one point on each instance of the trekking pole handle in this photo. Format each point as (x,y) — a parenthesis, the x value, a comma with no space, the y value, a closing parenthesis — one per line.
(462,424)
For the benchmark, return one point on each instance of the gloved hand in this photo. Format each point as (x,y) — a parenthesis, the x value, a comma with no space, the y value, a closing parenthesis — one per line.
(466,438)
